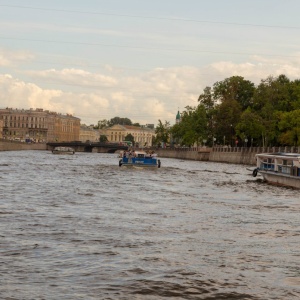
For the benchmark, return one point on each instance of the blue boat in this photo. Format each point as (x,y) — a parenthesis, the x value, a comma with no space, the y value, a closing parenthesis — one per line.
(139,159)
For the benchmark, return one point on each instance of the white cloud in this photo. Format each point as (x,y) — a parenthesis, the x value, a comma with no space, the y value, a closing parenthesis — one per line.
(144,98)
(260,68)
(11,58)
(74,76)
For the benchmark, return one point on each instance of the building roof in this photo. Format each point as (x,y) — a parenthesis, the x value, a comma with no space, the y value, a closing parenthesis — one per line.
(130,127)
(178,116)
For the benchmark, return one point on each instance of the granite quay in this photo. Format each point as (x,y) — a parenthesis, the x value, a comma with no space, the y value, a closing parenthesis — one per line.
(6,145)
(234,155)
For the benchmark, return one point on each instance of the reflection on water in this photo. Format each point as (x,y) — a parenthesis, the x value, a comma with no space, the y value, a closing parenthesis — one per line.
(80,227)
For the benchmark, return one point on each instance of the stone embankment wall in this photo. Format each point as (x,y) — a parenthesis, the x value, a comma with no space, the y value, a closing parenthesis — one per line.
(17,146)
(234,155)
(201,154)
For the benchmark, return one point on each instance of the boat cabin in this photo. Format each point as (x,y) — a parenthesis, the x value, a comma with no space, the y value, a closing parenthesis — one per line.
(285,163)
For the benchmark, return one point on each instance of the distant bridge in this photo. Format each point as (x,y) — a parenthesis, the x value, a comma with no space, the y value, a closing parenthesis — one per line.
(89,146)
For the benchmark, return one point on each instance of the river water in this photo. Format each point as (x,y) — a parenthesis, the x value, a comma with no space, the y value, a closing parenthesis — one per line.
(81,227)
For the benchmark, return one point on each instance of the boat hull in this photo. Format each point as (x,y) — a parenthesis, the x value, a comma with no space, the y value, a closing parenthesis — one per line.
(63,150)
(279,168)
(140,163)
(281,179)
(62,153)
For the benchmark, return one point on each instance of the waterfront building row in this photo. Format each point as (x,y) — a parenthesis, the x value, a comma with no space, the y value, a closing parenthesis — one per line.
(38,125)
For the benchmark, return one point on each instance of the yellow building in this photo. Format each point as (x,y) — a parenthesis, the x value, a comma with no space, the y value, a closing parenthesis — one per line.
(88,133)
(39,125)
(117,133)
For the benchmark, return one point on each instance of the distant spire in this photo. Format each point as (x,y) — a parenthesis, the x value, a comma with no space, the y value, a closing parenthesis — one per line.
(178,117)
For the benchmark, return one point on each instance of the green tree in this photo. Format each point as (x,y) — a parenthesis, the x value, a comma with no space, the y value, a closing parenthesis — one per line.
(193,126)
(207,100)
(250,125)
(274,92)
(185,130)
(272,96)
(129,137)
(295,94)
(289,126)
(102,124)
(234,88)
(103,138)
(162,131)
(121,121)
(227,117)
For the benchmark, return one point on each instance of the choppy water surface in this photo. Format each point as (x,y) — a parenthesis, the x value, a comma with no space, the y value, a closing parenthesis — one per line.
(80,227)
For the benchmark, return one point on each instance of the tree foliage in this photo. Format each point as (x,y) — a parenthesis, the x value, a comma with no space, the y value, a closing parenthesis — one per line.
(103,138)
(235,109)
(193,127)
(162,131)
(129,137)
(289,126)
(121,121)
(114,121)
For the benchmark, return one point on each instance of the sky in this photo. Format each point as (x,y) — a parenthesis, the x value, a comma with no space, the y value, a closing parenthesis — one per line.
(138,59)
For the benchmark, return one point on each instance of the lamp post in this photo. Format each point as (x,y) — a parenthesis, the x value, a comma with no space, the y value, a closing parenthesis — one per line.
(214,139)
(231,135)
(246,141)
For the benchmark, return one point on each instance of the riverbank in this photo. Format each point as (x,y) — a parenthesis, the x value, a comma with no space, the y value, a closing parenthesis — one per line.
(232,155)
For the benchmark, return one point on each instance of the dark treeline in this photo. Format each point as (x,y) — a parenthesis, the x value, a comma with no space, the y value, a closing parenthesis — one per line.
(236,112)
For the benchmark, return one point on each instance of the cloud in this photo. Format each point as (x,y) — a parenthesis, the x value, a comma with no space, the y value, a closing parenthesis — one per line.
(10,58)
(18,94)
(74,76)
(259,68)
(144,98)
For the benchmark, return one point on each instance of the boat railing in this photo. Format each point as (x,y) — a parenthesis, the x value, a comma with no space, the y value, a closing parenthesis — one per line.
(138,158)
(267,166)
(283,169)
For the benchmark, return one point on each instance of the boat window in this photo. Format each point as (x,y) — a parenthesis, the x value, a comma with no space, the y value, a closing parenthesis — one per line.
(287,162)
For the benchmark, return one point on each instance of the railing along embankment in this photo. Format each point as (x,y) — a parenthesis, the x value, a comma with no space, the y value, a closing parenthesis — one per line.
(245,155)
(234,155)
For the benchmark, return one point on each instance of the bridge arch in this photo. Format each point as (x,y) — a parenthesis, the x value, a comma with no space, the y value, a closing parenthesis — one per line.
(89,147)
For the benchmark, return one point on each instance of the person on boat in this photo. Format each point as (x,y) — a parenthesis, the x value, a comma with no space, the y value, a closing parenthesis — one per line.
(130,156)
(153,154)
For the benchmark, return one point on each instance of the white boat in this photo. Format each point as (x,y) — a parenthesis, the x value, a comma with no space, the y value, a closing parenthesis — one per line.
(63,150)
(279,168)
(139,159)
